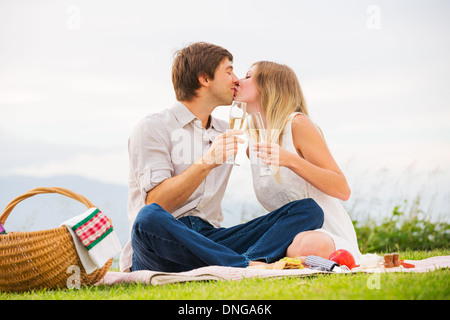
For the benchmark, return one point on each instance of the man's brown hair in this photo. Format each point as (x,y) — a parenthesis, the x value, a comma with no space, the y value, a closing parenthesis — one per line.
(197,59)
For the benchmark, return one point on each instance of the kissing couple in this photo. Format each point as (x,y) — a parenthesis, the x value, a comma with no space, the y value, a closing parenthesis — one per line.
(174,207)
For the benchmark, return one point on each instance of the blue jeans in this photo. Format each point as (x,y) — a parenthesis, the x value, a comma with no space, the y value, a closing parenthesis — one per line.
(162,243)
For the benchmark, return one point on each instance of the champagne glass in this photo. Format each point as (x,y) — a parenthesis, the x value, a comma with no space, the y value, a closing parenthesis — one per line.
(258,133)
(237,119)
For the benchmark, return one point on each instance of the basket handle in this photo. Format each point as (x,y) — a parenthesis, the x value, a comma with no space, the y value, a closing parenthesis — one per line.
(36,191)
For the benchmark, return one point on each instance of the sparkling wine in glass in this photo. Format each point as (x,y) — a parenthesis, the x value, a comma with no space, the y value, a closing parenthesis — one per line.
(237,119)
(258,133)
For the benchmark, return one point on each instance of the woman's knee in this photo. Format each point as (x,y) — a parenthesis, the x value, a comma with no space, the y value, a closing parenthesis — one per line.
(314,243)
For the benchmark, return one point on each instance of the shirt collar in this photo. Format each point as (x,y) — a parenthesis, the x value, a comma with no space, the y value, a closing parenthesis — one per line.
(182,114)
(185,116)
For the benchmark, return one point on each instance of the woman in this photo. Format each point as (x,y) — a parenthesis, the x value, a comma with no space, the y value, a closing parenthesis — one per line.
(306,167)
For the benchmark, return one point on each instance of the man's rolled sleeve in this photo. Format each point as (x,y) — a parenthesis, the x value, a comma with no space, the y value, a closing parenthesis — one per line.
(149,155)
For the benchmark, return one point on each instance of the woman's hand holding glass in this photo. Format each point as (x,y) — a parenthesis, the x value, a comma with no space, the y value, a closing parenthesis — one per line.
(268,152)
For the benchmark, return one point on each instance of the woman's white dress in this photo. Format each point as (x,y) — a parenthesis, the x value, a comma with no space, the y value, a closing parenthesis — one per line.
(273,194)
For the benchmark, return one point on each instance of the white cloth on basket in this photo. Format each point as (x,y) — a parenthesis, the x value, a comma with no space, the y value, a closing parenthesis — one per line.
(94,238)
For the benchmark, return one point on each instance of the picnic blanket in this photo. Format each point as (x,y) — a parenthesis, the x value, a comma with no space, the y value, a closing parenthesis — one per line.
(232,273)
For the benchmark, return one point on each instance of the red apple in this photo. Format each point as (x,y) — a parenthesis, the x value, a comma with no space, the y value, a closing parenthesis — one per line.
(343,257)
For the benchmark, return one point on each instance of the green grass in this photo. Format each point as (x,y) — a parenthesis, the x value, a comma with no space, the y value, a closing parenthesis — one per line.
(395,233)
(432,285)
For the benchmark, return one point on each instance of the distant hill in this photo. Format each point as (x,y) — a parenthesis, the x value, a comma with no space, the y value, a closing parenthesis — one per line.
(47,211)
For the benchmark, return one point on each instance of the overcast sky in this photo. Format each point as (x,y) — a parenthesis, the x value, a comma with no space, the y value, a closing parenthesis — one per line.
(76,76)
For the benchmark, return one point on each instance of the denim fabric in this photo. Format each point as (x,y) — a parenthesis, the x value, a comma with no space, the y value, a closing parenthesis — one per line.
(162,243)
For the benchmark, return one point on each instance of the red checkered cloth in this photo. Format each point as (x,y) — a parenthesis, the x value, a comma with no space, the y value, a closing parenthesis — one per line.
(93,229)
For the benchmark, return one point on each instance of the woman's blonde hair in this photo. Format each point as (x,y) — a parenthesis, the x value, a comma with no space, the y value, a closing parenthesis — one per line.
(280,95)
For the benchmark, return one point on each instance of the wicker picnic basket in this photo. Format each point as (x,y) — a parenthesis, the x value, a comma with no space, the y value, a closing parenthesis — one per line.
(41,259)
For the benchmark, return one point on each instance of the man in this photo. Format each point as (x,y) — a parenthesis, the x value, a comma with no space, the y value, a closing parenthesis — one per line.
(177,179)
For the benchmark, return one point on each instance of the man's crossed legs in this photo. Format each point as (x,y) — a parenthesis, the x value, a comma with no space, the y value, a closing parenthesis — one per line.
(162,243)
